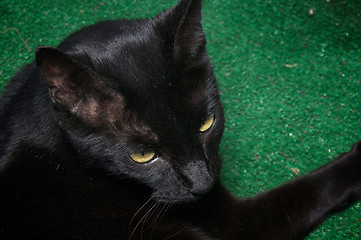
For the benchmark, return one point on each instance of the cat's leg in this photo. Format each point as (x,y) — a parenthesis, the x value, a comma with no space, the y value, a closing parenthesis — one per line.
(290,211)
(293,209)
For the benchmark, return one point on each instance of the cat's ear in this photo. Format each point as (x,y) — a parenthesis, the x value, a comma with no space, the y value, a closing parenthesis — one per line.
(184,23)
(190,40)
(78,89)
(66,79)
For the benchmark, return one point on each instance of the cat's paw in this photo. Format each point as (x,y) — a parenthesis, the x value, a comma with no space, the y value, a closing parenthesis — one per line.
(356,147)
(351,159)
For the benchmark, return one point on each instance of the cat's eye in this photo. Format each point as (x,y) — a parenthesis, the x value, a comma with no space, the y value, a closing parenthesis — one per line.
(206,125)
(142,157)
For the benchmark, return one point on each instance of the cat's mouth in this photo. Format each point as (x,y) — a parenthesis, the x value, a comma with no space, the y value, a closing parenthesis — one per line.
(177,199)
(191,184)
(183,194)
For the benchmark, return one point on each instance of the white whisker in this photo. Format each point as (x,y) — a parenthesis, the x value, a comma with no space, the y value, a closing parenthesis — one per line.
(159,217)
(139,210)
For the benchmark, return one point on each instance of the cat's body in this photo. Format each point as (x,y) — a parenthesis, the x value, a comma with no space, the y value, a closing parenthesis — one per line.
(73,125)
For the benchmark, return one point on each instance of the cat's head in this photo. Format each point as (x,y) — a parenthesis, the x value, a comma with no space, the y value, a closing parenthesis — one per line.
(139,99)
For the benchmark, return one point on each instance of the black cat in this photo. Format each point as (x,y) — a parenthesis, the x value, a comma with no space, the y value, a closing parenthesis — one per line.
(115,135)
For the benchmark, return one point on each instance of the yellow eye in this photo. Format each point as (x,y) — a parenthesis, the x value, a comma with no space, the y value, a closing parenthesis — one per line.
(207,124)
(142,157)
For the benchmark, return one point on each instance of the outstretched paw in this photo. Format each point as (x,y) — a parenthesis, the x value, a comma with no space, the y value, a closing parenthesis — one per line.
(356,147)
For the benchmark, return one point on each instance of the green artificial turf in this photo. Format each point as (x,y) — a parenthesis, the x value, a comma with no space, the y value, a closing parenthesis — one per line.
(289,73)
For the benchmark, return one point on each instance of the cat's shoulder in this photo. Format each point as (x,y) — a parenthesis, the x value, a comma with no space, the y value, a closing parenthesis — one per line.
(26,73)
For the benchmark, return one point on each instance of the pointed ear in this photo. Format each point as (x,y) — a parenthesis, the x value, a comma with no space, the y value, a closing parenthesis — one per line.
(77,89)
(184,22)
(65,78)
(190,39)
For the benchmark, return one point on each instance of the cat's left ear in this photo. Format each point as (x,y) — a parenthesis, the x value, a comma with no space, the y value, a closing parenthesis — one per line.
(184,23)
(76,88)
(70,84)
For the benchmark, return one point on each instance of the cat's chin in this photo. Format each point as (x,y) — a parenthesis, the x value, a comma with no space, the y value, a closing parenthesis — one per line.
(179,198)
(183,194)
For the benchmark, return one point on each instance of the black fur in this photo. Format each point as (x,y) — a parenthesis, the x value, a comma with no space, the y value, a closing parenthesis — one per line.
(70,122)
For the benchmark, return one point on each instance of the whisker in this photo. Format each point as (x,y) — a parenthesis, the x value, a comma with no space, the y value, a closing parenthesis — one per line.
(150,215)
(147,216)
(174,234)
(228,89)
(233,87)
(159,217)
(140,209)
(229,65)
(142,219)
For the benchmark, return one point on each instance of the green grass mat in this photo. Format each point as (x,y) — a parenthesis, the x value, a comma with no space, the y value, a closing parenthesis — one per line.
(289,73)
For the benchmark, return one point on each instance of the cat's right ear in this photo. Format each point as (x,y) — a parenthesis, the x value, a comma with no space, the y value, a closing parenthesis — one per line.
(65,78)
(182,28)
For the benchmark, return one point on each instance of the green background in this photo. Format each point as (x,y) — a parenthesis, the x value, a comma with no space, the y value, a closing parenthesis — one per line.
(289,74)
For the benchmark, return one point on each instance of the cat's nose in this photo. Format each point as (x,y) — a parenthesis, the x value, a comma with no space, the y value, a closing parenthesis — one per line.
(198,179)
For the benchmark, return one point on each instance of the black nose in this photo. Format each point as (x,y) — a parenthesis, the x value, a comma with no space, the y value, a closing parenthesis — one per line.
(198,180)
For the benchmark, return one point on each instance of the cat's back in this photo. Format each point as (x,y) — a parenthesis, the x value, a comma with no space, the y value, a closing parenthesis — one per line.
(17,88)
(23,108)
(15,98)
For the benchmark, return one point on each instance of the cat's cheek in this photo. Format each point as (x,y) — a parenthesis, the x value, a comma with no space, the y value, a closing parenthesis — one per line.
(160,176)
(210,143)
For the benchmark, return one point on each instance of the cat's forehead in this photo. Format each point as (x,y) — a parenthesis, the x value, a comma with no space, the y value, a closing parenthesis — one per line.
(137,61)
(134,52)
